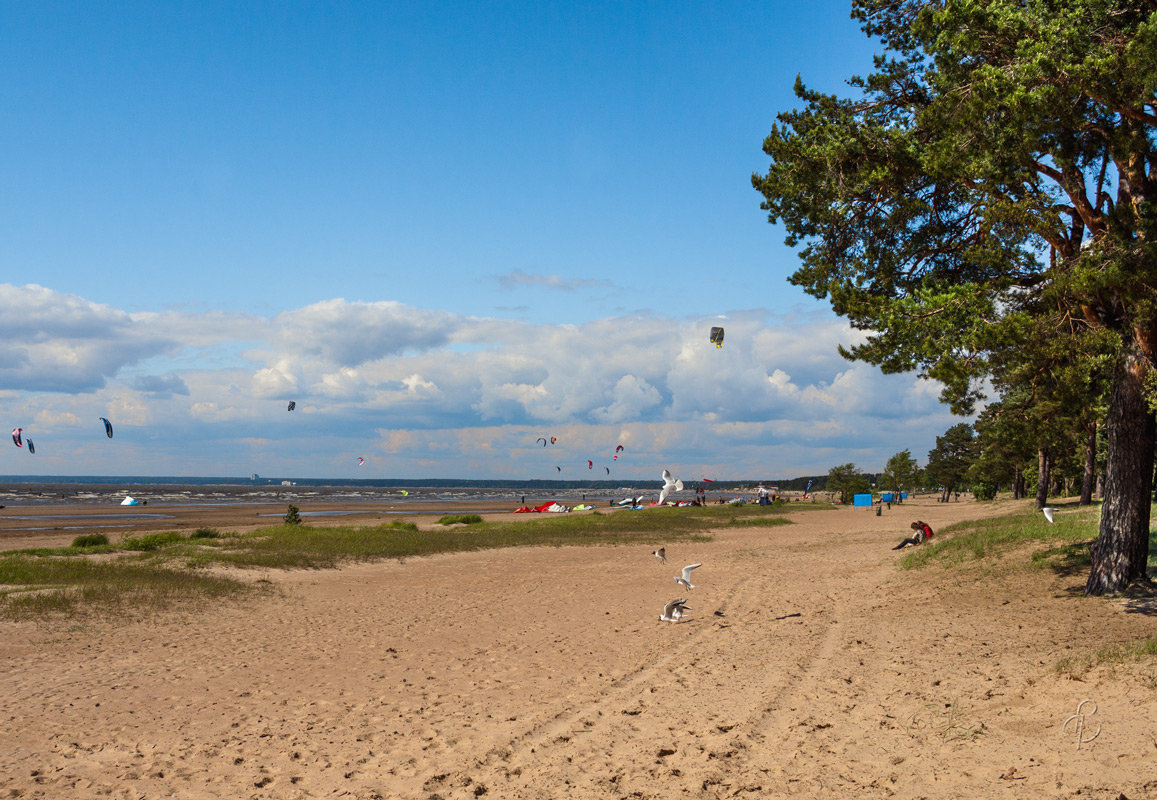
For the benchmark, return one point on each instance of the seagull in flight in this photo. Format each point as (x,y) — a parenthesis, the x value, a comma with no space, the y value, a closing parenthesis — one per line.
(673,611)
(669,485)
(685,578)
(1048,512)
(660,554)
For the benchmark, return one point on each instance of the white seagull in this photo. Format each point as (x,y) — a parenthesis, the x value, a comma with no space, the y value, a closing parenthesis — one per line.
(660,554)
(673,611)
(669,485)
(685,578)
(1048,513)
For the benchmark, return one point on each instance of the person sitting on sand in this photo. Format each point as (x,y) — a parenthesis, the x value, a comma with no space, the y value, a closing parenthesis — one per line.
(923,531)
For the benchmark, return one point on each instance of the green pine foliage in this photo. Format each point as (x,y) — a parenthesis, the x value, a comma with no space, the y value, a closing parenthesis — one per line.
(981,206)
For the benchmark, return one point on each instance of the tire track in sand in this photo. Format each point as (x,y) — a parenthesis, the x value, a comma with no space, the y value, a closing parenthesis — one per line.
(684,717)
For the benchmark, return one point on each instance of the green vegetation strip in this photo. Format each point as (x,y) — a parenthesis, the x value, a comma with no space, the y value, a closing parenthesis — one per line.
(759,522)
(162,570)
(34,585)
(1063,545)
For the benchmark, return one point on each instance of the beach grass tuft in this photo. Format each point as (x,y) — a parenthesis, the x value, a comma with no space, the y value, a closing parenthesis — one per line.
(34,586)
(149,541)
(759,522)
(1078,667)
(90,540)
(460,519)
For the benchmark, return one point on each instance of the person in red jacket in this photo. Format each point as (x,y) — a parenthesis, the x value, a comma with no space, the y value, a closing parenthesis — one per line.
(923,531)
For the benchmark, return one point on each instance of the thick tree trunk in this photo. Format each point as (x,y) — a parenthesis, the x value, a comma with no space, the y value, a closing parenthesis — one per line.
(1090,477)
(1121,550)
(1042,477)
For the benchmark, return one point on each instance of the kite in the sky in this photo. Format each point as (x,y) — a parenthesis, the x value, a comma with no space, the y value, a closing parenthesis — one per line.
(542,439)
(608,469)
(717,337)
(619,449)
(31,447)
(590,464)
(553,439)
(16,440)
(558,468)
(107,427)
(292,405)
(361,461)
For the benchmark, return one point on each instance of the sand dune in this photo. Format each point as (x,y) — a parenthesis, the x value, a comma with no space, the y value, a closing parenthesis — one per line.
(545,672)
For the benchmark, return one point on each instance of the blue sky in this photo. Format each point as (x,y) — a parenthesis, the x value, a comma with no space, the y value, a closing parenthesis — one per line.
(443,231)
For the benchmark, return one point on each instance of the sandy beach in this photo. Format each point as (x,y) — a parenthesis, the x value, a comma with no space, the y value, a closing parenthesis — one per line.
(808,666)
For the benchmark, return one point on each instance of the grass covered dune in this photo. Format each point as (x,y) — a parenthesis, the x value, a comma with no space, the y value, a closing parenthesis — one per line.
(813,661)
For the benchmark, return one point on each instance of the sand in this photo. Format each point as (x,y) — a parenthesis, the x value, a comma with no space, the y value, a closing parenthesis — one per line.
(545,672)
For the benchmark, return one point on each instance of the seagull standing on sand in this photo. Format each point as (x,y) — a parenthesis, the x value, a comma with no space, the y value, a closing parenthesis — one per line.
(660,554)
(673,611)
(669,485)
(685,578)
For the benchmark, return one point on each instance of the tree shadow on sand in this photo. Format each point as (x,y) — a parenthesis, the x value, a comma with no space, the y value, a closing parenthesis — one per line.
(1141,598)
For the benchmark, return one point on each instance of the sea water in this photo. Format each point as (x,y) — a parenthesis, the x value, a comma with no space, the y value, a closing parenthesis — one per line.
(209,491)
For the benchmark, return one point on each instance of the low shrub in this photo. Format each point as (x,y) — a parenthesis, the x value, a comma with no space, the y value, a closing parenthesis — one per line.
(759,522)
(463,519)
(150,541)
(90,540)
(292,517)
(984,491)
(205,533)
